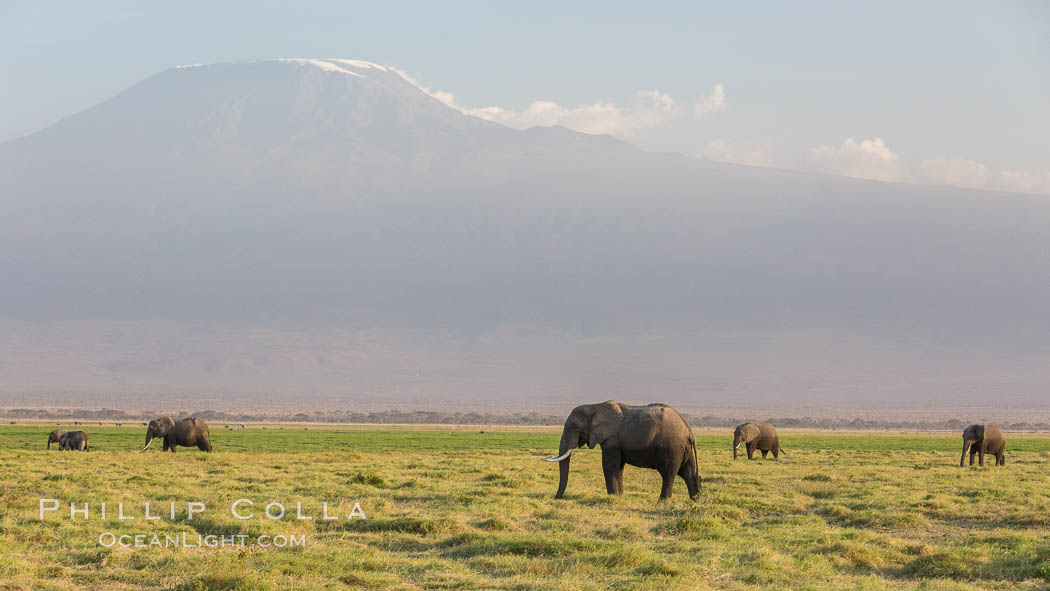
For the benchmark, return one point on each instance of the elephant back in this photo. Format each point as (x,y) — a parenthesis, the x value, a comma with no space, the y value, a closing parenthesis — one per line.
(994,439)
(767,436)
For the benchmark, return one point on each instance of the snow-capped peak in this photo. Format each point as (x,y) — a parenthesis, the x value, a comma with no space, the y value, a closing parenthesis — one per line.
(359,64)
(344,66)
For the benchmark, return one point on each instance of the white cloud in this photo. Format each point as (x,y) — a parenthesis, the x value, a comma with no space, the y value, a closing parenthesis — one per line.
(964,172)
(866,159)
(446,97)
(758,153)
(1024,180)
(644,109)
(712,104)
(957,172)
(873,159)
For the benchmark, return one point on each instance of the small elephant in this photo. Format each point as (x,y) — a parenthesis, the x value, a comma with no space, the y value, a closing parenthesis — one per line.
(653,436)
(54,436)
(984,439)
(73,440)
(760,436)
(185,432)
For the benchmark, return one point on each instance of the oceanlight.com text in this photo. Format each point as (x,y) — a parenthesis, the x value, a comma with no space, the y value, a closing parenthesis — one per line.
(184,540)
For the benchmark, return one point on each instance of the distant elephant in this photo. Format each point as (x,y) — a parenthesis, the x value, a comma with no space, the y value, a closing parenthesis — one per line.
(185,432)
(53,436)
(984,439)
(654,436)
(760,436)
(73,440)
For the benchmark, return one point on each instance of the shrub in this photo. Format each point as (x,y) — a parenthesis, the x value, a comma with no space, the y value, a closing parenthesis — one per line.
(370,478)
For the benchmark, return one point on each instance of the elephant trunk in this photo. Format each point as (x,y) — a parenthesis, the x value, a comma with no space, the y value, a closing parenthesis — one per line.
(966,445)
(737,439)
(149,440)
(568,443)
(563,477)
(49,440)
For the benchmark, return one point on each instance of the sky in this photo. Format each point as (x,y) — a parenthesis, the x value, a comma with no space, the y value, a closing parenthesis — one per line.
(953,93)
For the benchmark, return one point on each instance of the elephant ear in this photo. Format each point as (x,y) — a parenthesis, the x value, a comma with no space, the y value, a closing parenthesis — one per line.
(605,423)
(752,431)
(978,431)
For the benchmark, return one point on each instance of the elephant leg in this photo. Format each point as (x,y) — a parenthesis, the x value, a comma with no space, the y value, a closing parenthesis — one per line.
(1002,458)
(751,451)
(972,454)
(776,451)
(765,452)
(611,467)
(619,478)
(981,452)
(668,485)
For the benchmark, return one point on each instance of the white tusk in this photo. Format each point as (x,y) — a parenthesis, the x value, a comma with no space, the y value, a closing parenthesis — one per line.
(145,447)
(559,458)
(738,445)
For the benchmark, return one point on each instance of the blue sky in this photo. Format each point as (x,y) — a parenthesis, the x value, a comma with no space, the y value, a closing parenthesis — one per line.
(940,92)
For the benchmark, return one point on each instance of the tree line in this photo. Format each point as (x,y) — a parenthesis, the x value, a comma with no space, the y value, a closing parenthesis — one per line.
(432,417)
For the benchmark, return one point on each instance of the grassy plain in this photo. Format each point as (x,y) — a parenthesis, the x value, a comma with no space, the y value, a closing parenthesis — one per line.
(459,509)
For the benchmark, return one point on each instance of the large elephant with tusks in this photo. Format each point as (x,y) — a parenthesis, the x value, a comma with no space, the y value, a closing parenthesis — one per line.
(185,432)
(653,436)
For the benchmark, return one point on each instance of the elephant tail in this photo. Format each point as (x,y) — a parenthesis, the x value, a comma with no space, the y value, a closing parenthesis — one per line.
(696,465)
(781,449)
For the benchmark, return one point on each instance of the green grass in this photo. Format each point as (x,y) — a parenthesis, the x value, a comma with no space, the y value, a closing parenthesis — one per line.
(457,509)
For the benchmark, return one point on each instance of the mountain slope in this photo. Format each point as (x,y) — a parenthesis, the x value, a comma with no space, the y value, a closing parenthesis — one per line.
(325,194)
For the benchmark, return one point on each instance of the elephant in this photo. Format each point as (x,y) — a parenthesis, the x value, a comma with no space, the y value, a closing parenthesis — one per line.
(75,440)
(984,439)
(653,436)
(760,436)
(54,436)
(185,432)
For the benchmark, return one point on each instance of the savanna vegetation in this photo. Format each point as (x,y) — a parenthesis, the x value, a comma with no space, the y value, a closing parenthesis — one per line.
(459,509)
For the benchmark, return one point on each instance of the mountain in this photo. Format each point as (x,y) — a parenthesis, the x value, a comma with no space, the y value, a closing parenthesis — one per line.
(333,205)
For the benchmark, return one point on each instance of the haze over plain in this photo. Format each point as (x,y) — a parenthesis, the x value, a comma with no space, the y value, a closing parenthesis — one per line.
(305,227)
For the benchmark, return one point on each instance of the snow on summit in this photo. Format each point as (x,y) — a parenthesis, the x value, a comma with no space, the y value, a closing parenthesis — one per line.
(345,66)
